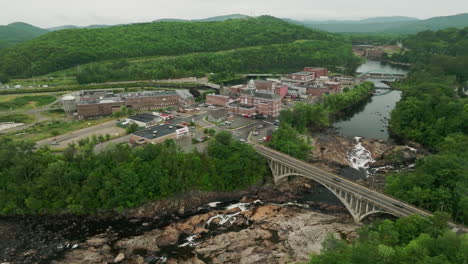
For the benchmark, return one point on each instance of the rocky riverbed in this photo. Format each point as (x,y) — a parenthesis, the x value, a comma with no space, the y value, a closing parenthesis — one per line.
(250,232)
(185,229)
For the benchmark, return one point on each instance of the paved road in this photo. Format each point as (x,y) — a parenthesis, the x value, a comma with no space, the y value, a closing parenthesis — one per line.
(101,129)
(388,203)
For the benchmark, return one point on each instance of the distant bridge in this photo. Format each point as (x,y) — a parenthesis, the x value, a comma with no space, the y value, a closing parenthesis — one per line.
(381,75)
(360,201)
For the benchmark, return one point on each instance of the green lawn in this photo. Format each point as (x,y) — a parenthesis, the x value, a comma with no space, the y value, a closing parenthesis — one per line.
(26,102)
(48,129)
(17,118)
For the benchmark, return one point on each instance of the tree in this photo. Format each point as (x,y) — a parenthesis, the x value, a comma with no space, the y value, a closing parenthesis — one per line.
(132,128)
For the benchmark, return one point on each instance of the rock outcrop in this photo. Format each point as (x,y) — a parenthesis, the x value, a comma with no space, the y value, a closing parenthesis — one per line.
(246,233)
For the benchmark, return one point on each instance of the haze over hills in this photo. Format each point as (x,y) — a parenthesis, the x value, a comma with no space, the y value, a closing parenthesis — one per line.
(396,25)
(209,19)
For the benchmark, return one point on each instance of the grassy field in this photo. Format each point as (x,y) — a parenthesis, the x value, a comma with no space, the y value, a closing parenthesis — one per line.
(25,102)
(17,118)
(48,129)
(55,113)
(45,80)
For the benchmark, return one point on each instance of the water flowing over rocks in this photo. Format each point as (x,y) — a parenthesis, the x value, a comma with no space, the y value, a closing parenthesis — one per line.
(254,233)
(338,151)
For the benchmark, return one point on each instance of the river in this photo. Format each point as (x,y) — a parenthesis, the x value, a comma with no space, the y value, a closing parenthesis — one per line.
(370,119)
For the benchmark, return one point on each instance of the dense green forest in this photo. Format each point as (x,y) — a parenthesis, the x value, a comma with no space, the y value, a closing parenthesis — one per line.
(433,113)
(15,33)
(66,48)
(439,182)
(429,109)
(411,240)
(441,52)
(276,58)
(82,181)
(287,140)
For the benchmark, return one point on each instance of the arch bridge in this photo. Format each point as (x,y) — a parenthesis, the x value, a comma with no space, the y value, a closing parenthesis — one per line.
(360,201)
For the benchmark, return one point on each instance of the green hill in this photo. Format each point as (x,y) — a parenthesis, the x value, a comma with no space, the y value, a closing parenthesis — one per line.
(15,33)
(66,48)
(397,25)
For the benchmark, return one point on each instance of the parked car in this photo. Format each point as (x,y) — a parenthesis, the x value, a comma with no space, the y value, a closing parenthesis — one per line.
(246,116)
(260,116)
(256,133)
(242,140)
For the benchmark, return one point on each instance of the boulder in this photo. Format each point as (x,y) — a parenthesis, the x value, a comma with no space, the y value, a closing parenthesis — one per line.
(120,257)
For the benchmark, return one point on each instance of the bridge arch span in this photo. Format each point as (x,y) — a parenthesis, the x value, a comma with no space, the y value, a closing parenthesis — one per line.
(358,207)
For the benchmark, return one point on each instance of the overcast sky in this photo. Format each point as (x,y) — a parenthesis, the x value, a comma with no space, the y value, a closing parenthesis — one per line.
(49,13)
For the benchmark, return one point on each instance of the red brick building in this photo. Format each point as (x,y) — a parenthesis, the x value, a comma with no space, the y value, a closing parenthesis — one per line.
(105,103)
(252,101)
(282,90)
(318,72)
(220,100)
(303,76)
(264,85)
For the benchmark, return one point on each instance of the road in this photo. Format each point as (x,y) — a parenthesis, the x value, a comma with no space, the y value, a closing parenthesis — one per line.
(65,139)
(388,203)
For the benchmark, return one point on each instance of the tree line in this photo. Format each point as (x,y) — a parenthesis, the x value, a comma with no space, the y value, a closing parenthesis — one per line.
(81,181)
(277,58)
(409,240)
(66,48)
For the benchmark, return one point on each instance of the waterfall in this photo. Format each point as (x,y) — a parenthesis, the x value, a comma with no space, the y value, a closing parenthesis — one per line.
(359,156)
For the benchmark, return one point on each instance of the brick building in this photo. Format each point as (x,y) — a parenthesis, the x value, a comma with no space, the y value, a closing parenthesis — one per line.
(106,103)
(318,72)
(254,101)
(219,100)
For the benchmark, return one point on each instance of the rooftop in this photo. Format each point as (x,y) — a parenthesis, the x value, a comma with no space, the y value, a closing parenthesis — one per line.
(303,73)
(185,94)
(145,117)
(161,131)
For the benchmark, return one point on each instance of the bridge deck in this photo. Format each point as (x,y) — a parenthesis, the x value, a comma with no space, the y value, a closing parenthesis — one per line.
(390,204)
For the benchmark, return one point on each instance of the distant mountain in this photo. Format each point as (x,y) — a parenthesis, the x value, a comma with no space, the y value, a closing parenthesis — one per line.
(18,32)
(398,25)
(390,19)
(209,19)
(75,27)
(62,27)
(435,23)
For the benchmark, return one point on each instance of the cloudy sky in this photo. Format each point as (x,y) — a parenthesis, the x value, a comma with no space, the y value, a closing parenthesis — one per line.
(49,13)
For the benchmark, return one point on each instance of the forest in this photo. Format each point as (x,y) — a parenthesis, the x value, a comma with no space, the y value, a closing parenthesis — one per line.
(278,58)
(66,48)
(439,52)
(410,240)
(434,113)
(81,181)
